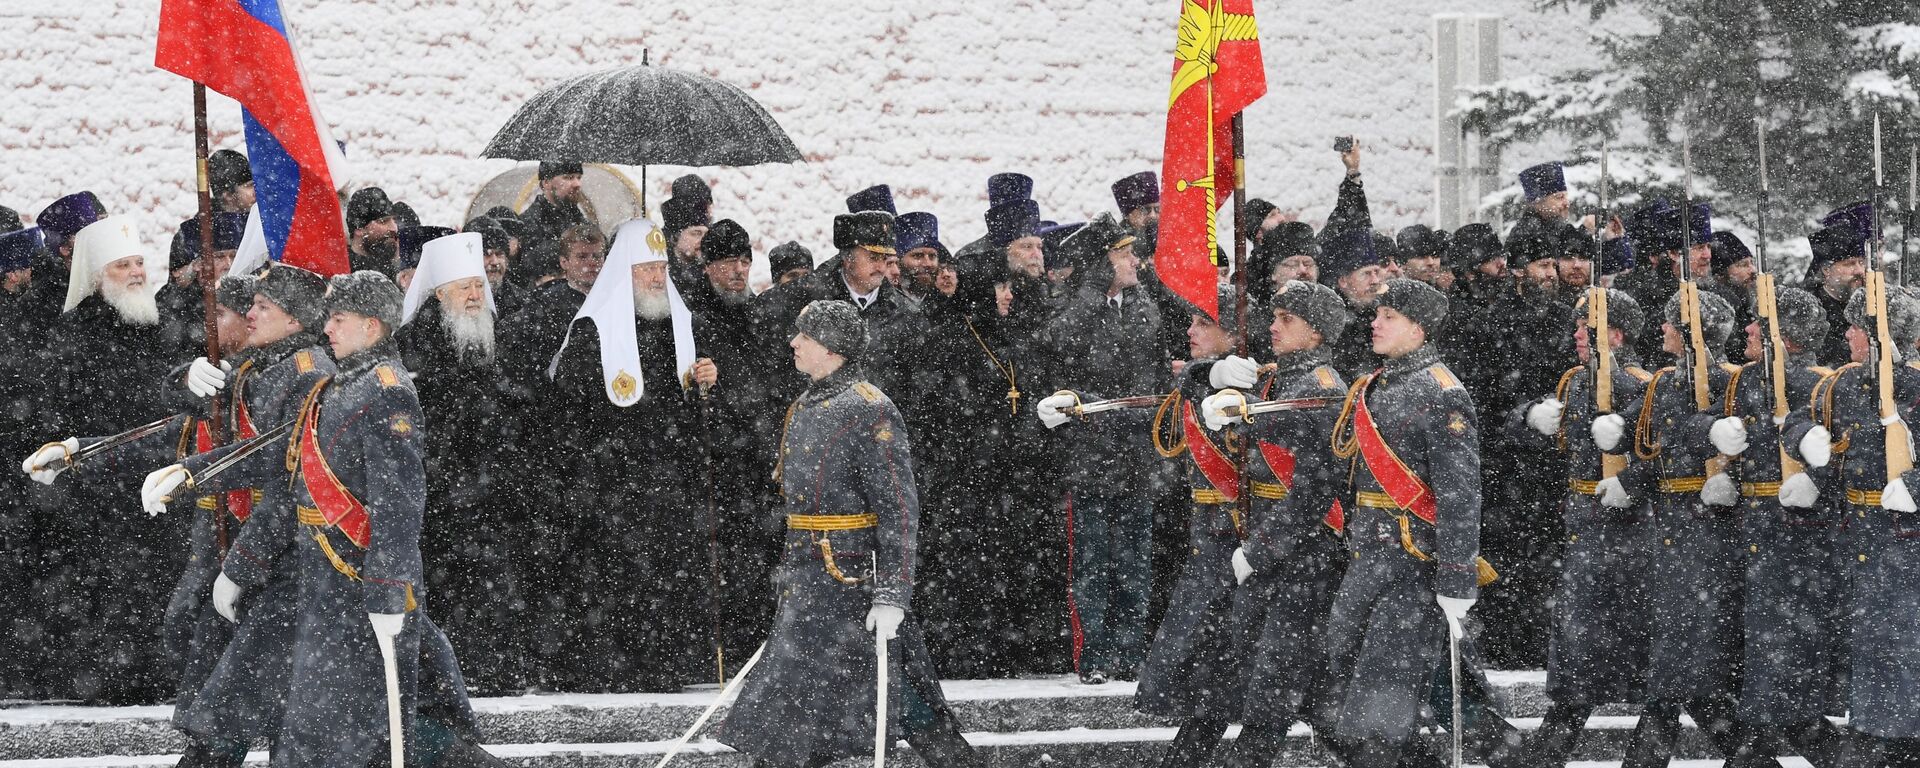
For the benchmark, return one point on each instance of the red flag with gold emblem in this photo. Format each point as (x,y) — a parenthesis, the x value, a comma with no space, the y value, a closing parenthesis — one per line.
(1217,72)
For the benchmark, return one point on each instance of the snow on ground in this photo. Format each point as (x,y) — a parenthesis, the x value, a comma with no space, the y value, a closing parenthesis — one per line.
(928,97)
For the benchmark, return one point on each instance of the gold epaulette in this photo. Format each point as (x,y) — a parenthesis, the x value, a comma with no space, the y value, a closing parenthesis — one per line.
(388,377)
(1327,378)
(303,361)
(1443,376)
(1731,368)
(1639,373)
(867,391)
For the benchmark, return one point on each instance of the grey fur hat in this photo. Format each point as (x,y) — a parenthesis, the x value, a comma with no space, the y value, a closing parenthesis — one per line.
(1623,312)
(1420,302)
(235,292)
(1803,321)
(367,293)
(837,325)
(1716,317)
(1903,315)
(295,291)
(1320,306)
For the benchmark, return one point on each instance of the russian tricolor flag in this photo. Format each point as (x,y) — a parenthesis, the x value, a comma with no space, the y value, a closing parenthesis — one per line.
(241,48)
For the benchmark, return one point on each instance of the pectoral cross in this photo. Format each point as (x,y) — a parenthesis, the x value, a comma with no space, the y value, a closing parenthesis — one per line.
(1013,400)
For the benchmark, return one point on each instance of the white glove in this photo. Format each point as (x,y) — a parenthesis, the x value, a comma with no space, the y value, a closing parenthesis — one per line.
(48,462)
(1607,430)
(884,620)
(1050,408)
(159,487)
(1729,436)
(1799,491)
(387,624)
(1719,491)
(1895,497)
(206,379)
(1455,609)
(1213,409)
(1817,446)
(226,598)
(1236,372)
(1544,416)
(1613,494)
(1241,568)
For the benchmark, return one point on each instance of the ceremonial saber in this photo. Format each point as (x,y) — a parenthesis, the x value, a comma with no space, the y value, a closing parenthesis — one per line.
(118,440)
(733,686)
(1251,410)
(1115,404)
(238,455)
(1453,658)
(880,701)
(396,738)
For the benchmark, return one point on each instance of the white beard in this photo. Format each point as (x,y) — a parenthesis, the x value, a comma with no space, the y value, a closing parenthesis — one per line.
(135,305)
(471,334)
(651,306)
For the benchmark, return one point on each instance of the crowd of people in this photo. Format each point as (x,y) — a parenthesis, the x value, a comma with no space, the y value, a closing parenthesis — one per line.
(605,519)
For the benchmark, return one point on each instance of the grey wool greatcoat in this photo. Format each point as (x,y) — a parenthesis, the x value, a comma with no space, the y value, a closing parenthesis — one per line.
(1697,565)
(1597,653)
(1386,636)
(846,473)
(1879,548)
(1792,659)
(1280,612)
(364,426)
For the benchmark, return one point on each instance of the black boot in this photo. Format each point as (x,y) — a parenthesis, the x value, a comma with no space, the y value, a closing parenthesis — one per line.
(1257,747)
(1194,743)
(1652,742)
(940,745)
(1559,732)
(219,753)
(465,754)
(1489,735)
(1714,715)
(1819,741)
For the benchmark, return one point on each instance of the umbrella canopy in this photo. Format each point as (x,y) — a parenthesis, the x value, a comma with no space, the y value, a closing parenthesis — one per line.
(644,115)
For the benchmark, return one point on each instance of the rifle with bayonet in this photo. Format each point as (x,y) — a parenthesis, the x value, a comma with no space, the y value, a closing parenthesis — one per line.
(1773,347)
(1697,362)
(1881,348)
(1600,341)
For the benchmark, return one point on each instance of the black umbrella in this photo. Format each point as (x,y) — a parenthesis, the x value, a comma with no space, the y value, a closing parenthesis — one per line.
(644,115)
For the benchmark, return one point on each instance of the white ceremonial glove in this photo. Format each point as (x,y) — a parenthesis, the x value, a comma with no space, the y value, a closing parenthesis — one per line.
(884,620)
(1241,568)
(1895,497)
(1049,408)
(206,379)
(1817,447)
(1719,491)
(1799,491)
(1455,609)
(1544,416)
(48,462)
(226,598)
(1729,436)
(1213,409)
(159,487)
(387,624)
(1236,372)
(1607,431)
(1613,494)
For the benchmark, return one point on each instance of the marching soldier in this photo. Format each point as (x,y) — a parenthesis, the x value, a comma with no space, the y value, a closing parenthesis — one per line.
(1875,538)
(1597,653)
(1694,575)
(1413,527)
(1289,564)
(1790,671)
(846,573)
(359,487)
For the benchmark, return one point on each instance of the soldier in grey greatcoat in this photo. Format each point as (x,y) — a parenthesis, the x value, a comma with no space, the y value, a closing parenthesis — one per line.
(1413,526)
(1598,650)
(358,482)
(1843,438)
(1791,675)
(845,576)
(1695,570)
(1289,564)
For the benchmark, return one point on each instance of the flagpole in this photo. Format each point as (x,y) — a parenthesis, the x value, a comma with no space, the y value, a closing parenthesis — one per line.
(216,418)
(1239,238)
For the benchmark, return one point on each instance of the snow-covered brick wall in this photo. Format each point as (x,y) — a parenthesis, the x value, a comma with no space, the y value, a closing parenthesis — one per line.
(928,97)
